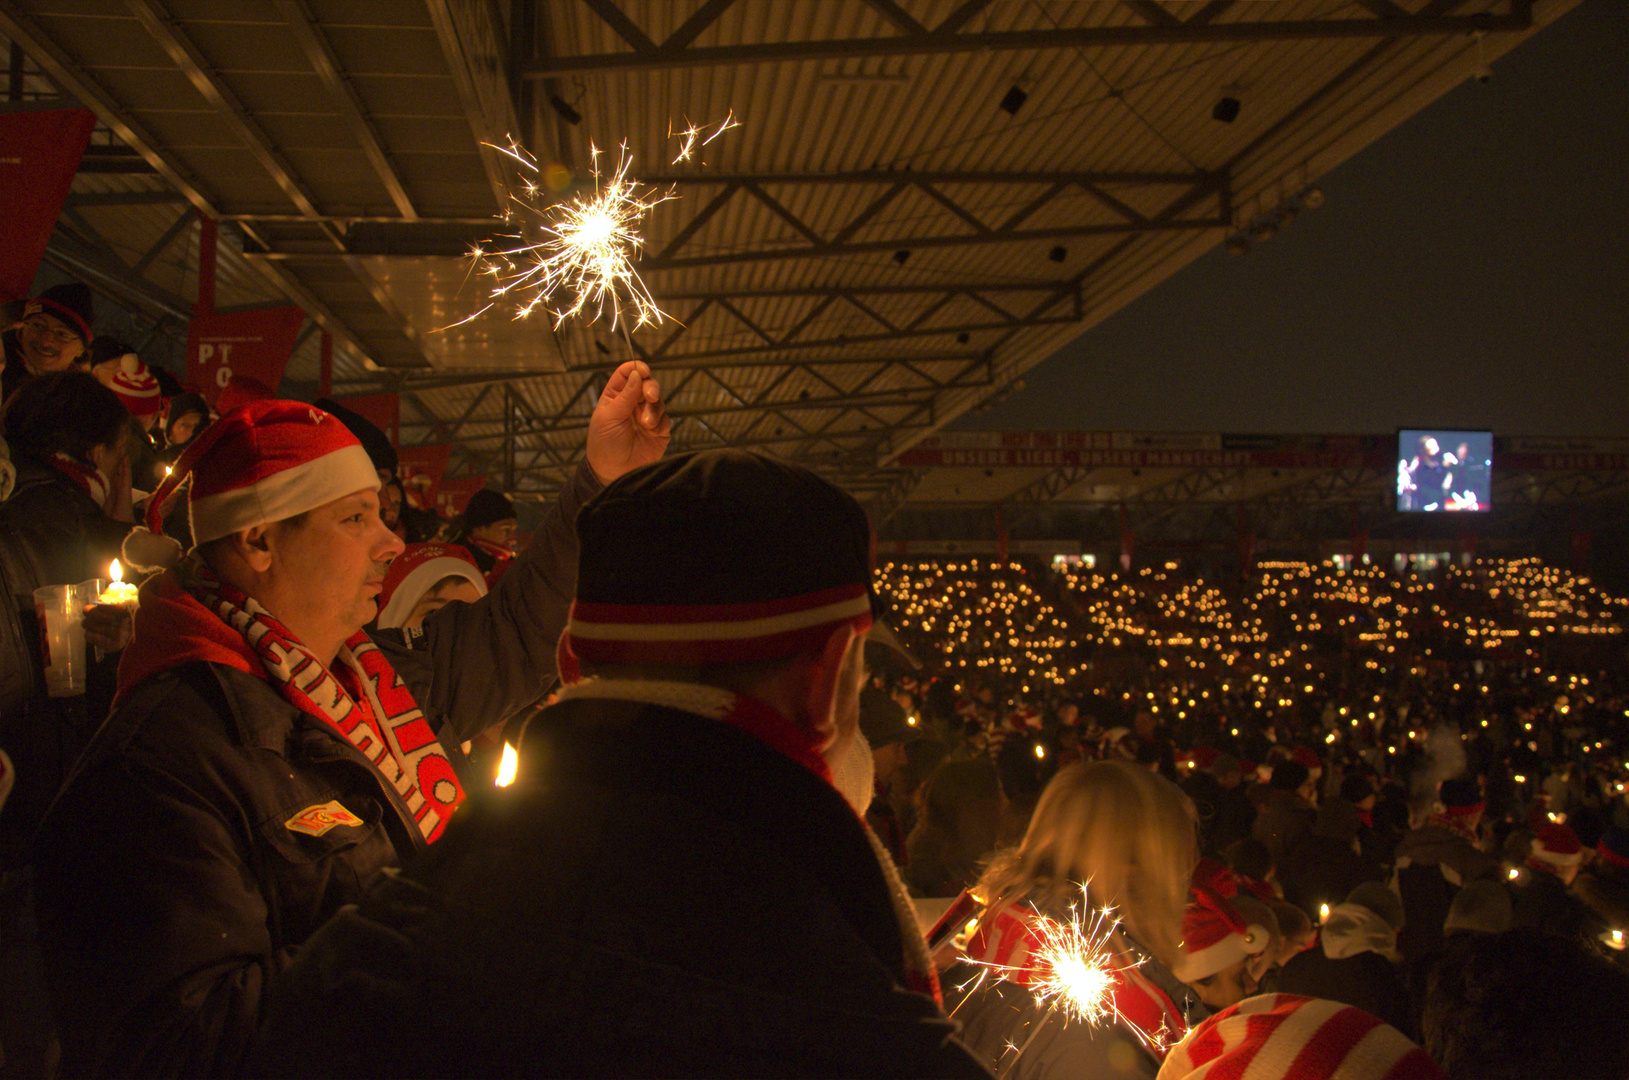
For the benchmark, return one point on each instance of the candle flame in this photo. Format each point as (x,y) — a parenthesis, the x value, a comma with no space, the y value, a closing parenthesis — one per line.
(1323,913)
(508,766)
(115,572)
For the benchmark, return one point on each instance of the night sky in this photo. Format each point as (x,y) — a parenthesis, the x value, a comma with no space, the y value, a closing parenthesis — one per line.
(1469,269)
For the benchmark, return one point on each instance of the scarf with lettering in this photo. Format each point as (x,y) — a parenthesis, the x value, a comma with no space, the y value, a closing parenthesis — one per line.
(756,719)
(361,697)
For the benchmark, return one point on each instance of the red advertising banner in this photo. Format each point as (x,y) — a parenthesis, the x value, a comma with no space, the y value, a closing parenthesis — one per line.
(383,411)
(39,154)
(420,469)
(247,344)
(455,494)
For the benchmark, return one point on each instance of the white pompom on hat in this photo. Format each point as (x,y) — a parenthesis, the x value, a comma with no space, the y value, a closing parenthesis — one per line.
(1214,935)
(263,462)
(137,387)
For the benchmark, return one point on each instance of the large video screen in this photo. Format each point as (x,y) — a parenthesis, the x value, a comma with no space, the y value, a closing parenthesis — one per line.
(1444,470)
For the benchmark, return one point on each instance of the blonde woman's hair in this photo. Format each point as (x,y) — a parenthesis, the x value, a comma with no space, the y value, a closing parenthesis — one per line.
(1129,835)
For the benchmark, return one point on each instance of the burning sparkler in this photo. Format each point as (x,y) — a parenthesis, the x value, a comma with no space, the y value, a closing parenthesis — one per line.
(1073,970)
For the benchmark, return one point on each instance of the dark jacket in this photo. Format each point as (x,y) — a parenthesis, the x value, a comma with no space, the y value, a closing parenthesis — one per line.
(51,533)
(170,885)
(1539,898)
(1350,965)
(659,894)
(1432,863)
(1285,818)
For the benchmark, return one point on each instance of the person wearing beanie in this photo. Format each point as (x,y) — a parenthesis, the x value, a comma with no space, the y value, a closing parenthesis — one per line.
(184,417)
(1356,961)
(423,579)
(266,758)
(54,334)
(672,885)
(117,367)
(1435,860)
(1292,1037)
(1541,893)
(489,524)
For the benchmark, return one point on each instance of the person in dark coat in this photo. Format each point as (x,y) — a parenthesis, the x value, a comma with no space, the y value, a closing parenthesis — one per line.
(62,525)
(1287,813)
(1604,884)
(672,886)
(265,759)
(1434,860)
(1356,961)
(1326,866)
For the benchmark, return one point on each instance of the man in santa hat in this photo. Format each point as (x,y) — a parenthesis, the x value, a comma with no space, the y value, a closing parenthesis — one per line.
(265,758)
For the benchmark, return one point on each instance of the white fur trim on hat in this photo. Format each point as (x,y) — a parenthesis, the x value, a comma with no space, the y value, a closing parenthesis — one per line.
(422,578)
(1555,858)
(148,551)
(1221,955)
(284,494)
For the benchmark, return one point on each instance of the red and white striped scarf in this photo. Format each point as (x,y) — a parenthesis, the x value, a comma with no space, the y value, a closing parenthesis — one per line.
(87,478)
(363,699)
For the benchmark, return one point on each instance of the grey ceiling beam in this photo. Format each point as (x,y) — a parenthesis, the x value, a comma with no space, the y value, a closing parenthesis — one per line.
(930,176)
(1516,17)
(472,42)
(122,198)
(298,15)
(844,340)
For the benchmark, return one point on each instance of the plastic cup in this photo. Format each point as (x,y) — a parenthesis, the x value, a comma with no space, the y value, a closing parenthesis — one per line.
(62,635)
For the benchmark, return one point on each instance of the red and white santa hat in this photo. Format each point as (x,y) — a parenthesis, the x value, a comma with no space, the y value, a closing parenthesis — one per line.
(1556,847)
(1308,757)
(137,387)
(416,571)
(266,461)
(1288,1037)
(1214,936)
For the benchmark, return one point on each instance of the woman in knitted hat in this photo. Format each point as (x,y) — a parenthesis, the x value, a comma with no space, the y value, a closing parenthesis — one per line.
(1105,835)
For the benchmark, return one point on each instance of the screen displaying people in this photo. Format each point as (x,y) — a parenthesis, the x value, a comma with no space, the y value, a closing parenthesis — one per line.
(1444,470)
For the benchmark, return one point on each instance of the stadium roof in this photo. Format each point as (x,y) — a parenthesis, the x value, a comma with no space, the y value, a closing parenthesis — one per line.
(925,198)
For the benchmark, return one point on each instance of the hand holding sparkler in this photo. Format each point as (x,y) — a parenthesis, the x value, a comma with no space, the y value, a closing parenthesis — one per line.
(630,426)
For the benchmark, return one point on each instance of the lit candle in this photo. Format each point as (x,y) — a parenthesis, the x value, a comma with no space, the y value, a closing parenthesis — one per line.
(508,766)
(1323,914)
(1614,939)
(118,592)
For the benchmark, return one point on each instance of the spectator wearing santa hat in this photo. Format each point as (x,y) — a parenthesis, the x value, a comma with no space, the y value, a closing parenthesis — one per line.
(1290,1037)
(53,336)
(424,579)
(1541,893)
(265,758)
(1223,955)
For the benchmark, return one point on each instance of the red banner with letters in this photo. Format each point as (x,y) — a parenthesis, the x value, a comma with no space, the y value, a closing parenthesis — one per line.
(39,154)
(454,495)
(420,469)
(246,345)
(383,411)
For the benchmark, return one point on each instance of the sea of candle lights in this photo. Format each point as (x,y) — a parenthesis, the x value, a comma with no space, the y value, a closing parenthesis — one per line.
(1309,643)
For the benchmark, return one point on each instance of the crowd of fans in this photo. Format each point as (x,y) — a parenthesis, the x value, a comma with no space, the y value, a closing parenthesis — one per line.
(1307,820)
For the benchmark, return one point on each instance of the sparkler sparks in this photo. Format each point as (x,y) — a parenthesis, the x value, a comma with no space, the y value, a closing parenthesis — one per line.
(584,259)
(693,133)
(1073,970)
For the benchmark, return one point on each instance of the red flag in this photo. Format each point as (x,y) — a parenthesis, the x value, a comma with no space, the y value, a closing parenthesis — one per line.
(253,345)
(1001,536)
(39,154)
(455,494)
(383,411)
(420,469)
